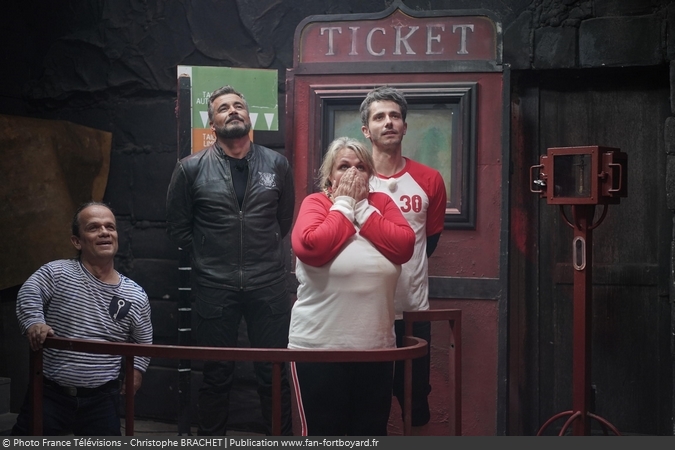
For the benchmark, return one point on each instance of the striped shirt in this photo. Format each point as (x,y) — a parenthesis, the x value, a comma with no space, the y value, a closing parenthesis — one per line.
(65,296)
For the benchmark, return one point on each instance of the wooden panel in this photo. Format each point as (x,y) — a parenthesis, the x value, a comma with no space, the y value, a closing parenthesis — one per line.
(614,275)
(631,360)
(465,270)
(460,253)
(463,288)
(523,263)
(48,167)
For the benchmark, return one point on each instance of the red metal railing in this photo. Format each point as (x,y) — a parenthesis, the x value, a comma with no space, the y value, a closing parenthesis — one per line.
(414,348)
(454,319)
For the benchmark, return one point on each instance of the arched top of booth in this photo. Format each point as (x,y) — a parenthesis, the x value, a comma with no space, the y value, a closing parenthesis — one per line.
(401,39)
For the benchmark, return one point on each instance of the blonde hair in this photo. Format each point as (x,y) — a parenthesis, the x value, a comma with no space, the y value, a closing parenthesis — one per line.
(331,156)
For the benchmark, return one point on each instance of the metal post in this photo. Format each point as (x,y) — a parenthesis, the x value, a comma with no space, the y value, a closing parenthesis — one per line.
(129,395)
(36,380)
(582,316)
(184,291)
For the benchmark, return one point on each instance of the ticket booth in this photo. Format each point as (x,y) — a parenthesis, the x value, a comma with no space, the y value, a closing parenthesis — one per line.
(449,66)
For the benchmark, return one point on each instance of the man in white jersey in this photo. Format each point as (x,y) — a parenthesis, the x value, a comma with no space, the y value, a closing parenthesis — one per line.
(420,192)
(83,298)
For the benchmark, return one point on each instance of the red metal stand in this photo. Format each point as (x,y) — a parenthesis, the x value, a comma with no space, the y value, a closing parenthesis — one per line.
(582,243)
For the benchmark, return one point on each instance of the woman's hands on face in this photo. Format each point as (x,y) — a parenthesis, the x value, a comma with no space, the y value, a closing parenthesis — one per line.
(352,184)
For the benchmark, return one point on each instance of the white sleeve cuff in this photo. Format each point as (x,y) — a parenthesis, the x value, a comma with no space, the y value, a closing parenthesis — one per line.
(345,205)
(362,211)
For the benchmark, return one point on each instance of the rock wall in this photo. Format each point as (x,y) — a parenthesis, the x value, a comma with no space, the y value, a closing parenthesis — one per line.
(112,66)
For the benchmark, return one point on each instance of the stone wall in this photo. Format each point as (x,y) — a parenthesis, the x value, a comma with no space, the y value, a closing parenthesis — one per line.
(112,66)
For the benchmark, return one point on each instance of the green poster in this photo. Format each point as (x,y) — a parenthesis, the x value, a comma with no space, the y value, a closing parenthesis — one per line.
(259,87)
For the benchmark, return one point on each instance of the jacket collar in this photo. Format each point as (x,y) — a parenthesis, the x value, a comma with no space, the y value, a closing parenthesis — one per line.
(221,153)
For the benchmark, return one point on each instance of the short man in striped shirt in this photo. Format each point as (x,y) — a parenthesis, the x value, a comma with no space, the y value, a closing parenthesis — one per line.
(83,298)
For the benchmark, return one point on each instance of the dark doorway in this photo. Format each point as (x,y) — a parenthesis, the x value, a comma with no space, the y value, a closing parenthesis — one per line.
(631,355)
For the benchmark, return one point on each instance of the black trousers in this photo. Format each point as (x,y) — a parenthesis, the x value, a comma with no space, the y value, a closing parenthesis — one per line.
(94,414)
(344,399)
(421,368)
(219,313)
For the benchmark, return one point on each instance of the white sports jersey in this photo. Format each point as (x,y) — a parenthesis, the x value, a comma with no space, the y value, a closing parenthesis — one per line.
(419,191)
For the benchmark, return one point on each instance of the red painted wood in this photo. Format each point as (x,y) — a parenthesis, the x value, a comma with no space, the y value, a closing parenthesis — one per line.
(460,253)
(467,38)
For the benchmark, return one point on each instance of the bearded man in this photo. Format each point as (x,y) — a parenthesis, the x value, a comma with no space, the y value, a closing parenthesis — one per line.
(230,205)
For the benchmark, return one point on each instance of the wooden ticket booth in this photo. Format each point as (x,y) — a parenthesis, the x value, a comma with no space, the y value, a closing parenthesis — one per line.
(449,65)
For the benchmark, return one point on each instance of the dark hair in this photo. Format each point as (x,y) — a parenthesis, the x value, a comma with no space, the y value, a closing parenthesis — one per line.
(379,94)
(223,91)
(75,227)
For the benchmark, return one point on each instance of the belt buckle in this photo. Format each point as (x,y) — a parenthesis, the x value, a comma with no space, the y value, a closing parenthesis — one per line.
(71,390)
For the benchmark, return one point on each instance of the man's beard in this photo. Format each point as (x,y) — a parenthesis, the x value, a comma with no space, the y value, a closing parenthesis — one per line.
(233,132)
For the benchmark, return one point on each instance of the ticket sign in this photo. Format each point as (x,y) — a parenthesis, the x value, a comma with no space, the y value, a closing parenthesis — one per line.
(399,37)
(259,87)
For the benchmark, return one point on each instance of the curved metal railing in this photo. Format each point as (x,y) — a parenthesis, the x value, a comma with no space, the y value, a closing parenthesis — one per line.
(413,348)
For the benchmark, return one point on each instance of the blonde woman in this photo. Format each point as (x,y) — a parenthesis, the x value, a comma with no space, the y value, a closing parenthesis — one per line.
(350,244)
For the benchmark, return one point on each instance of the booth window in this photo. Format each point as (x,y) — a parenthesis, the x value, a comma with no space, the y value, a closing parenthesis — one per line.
(441,134)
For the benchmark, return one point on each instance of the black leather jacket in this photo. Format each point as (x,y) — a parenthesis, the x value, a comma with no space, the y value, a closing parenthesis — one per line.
(232,248)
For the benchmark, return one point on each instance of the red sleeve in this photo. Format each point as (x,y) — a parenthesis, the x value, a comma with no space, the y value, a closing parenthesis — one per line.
(431,181)
(389,231)
(319,233)
(437,203)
